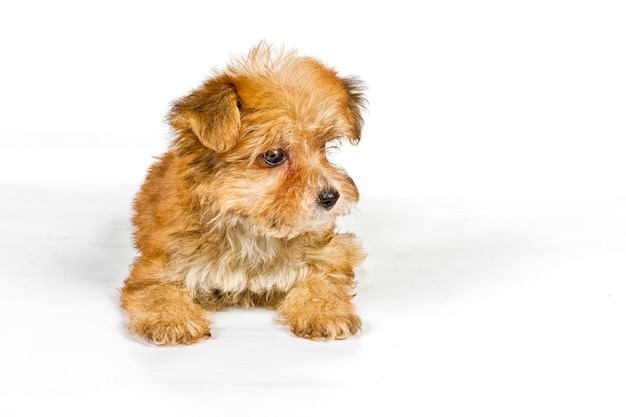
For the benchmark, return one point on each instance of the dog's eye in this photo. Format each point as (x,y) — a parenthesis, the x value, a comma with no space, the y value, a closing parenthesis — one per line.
(274,157)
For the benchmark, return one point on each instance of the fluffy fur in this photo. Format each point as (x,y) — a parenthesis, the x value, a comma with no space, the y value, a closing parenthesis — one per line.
(241,209)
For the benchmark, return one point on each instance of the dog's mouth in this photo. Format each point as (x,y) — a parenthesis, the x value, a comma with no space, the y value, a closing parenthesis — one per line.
(320,217)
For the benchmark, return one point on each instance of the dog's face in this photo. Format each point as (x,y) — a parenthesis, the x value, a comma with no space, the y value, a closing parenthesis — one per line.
(257,135)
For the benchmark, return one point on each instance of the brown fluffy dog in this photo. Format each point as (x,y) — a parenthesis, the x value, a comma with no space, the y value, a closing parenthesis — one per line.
(241,210)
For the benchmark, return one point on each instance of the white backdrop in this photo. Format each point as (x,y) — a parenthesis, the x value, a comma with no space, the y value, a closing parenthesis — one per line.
(494,209)
(484,99)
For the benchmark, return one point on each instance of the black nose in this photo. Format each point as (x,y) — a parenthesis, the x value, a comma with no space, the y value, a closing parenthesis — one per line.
(328,198)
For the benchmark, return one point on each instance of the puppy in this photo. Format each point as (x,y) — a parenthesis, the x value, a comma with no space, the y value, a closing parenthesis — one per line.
(241,210)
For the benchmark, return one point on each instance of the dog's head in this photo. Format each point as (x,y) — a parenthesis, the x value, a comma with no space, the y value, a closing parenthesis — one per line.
(256,136)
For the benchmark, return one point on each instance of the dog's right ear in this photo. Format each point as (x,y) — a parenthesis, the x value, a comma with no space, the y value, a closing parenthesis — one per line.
(210,113)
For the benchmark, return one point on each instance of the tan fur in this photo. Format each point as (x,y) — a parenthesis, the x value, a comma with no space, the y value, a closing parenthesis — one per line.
(217,225)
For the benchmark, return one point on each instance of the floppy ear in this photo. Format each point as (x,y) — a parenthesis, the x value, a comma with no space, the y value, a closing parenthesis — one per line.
(356,104)
(210,113)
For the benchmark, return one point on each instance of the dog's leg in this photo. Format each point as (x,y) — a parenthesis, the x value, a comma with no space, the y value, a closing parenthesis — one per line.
(162,312)
(318,308)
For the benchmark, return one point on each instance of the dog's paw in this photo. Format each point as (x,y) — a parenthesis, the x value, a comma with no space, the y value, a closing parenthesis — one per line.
(170,330)
(324,325)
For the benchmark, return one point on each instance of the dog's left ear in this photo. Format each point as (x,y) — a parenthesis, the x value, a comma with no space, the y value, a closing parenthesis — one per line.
(356,105)
(211,114)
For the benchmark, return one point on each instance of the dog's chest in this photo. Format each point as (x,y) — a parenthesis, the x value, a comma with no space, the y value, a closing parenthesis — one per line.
(242,265)
(208,276)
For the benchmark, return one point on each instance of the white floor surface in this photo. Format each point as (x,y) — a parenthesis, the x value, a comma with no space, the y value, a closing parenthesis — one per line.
(509,308)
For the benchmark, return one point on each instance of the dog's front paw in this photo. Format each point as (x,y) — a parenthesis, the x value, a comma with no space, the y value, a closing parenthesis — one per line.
(163,329)
(319,320)
(319,309)
(164,314)
(327,326)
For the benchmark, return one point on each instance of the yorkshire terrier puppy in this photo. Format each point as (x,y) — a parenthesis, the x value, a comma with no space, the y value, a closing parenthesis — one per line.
(241,210)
